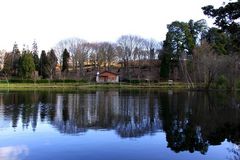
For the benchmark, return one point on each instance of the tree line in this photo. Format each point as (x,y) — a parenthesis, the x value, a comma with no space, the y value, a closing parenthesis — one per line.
(192,52)
(202,54)
(25,63)
(76,54)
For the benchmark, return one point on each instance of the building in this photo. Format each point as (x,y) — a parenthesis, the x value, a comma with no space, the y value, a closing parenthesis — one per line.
(107,77)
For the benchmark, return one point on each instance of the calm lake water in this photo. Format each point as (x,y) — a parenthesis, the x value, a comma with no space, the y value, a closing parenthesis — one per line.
(119,125)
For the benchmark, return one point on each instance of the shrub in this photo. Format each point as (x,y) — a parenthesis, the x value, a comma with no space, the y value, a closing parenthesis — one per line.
(3,81)
(82,81)
(42,81)
(238,84)
(222,82)
(21,81)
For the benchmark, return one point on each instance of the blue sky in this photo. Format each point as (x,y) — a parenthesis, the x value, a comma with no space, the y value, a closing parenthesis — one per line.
(49,21)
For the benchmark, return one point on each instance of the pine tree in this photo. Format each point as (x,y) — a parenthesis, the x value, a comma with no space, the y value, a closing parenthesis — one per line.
(15,60)
(44,65)
(26,63)
(35,55)
(65,58)
(52,59)
(165,65)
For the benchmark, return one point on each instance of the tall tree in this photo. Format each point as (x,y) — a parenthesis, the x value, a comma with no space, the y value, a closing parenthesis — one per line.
(218,40)
(15,60)
(183,37)
(227,18)
(65,59)
(198,30)
(206,64)
(81,56)
(128,43)
(178,38)
(52,59)
(180,41)
(35,55)
(165,65)
(111,55)
(71,44)
(44,65)
(105,55)
(7,67)
(27,66)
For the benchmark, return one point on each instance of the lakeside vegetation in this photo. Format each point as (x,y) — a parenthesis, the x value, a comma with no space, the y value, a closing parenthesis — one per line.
(193,55)
(52,84)
(84,85)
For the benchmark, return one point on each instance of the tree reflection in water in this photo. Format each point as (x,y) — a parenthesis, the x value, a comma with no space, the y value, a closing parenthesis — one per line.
(236,152)
(191,120)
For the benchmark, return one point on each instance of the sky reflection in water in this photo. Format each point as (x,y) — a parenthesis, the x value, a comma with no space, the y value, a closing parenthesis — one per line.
(119,125)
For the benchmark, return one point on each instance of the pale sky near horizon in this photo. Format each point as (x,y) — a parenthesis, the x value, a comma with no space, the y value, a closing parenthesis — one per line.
(49,21)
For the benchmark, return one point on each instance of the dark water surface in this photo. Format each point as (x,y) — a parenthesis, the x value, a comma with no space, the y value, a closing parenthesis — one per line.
(119,125)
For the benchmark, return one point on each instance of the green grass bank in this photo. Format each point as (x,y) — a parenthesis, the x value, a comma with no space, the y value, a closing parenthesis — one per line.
(87,85)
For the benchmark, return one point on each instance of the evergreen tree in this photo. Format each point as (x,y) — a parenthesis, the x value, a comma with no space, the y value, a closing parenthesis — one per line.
(227,18)
(44,65)
(218,40)
(15,60)
(183,37)
(52,59)
(165,65)
(65,58)
(7,67)
(35,55)
(27,66)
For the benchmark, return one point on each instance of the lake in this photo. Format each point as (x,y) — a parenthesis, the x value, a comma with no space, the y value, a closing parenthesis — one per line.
(119,125)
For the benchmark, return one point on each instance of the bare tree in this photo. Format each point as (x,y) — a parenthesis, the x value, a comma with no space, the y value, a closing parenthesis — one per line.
(59,48)
(106,55)
(52,59)
(93,55)
(206,64)
(128,43)
(81,57)
(71,44)
(2,55)
(111,55)
(102,55)
(151,47)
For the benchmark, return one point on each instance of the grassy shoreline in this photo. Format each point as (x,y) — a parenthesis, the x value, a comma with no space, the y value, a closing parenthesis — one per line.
(76,86)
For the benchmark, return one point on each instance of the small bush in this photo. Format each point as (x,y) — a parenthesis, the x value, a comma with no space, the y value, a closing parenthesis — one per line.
(82,81)
(238,84)
(135,81)
(3,81)
(21,81)
(42,81)
(57,81)
(222,82)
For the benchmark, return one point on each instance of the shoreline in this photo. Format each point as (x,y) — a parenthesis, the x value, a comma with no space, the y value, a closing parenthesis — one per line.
(93,86)
(76,86)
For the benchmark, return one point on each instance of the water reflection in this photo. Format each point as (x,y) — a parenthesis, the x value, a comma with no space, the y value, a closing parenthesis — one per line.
(200,120)
(13,152)
(192,121)
(130,115)
(236,152)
